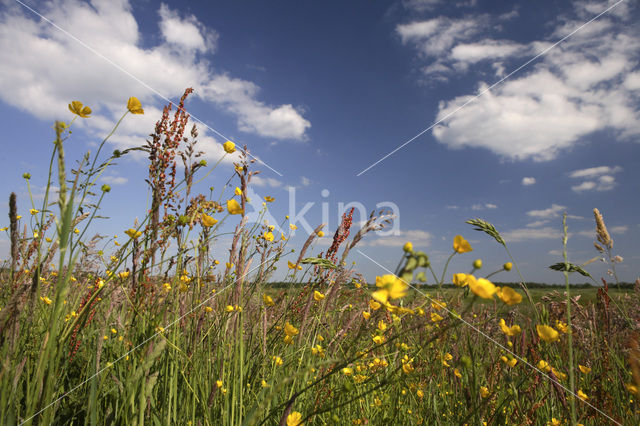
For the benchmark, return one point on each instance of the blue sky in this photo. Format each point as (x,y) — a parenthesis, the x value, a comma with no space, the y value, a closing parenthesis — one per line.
(321,91)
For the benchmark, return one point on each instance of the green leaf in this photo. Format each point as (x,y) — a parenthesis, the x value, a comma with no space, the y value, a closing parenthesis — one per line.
(326,263)
(569,267)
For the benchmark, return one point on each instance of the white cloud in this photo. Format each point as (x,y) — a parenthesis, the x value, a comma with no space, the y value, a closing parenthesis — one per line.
(584,186)
(483,206)
(114,180)
(584,85)
(265,181)
(528,181)
(418,237)
(551,212)
(593,172)
(37,81)
(525,234)
(305,181)
(619,229)
(452,207)
(537,223)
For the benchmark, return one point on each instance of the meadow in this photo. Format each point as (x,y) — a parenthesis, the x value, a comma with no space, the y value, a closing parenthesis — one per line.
(148,326)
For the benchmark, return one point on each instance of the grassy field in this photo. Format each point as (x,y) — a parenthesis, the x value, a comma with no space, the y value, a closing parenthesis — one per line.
(149,327)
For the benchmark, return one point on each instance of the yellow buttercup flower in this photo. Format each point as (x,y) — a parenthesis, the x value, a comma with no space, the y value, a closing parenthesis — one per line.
(229,265)
(509,295)
(456,373)
(547,333)
(238,191)
(290,330)
(229,147)
(317,296)
(583,396)
(583,369)
(460,245)
(481,287)
(435,317)
(294,419)
(374,305)
(268,236)
(484,392)
(277,360)
(134,106)
(544,366)
(391,287)
(509,331)
(208,221)
(320,234)
(408,247)
(366,315)
(561,326)
(77,108)
(269,199)
(34,211)
(378,340)
(268,301)
(132,233)
(460,279)
(233,207)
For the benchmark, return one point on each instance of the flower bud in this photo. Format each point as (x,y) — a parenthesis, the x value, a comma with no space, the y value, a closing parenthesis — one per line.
(106,188)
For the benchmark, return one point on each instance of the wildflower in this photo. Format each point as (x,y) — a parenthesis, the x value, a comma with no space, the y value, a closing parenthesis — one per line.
(632,388)
(477,264)
(484,392)
(547,333)
(76,231)
(229,147)
(269,199)
(382,326)
(294,419)
(105,188)
(437,305)
(277,360)
(229,265)
(264,384)
(391,287)
(446,358)
(77,108)
(320,234)
(460,245)
(509,295)
(420,394)
(456,373)
(105,337)
(268,236)
(374,305)
(134,106)
(435,317)
(208,309)
(34,211)
(554,422)
(207,221)
(238,191)
(114,331)
(559,374)
(233,207)
(366,315)
(219,383)
(132,233)
(481,287)
(507,266)
(408,247)
(123,275)
(509,331)
(561,326)
(460,279)
(583,396)
(268,301)
(293,227)
(378,340)
(46,300)
(229,308)
(317,296)
(290,330)
(544,366)
(347,371)
(583,369)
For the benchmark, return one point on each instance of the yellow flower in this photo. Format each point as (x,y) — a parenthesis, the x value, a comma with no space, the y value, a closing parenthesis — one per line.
(268,236)
(269,199)
(46,300)
(420,394)
(484,392)
(219,383)
(445,360)
(408,247)
(554,422)
(208,309)
(132,233)
(632,388)
(509,295)
(238,191)
(481,287)
(320,234)
(228,308)
(585,370)
(347,371)
(77,108)
(583,396)
(277,360)
(317,296)
(460,279)
(378,340)
(374,305)
(547,333)
(293,227)
(509,331)
(460,245)
(558,374)
(382,326)
(294,419)
(507,266)
(34,211)
(456,373)
(561,326)
(477,264)
(124,275)
(207,220)
(134,106)
(233,207)
(435,317)
(391,287)
(268,301)
(229,147)
(437,305)
(366,315)
(290,330)
(544,366)
(264,384)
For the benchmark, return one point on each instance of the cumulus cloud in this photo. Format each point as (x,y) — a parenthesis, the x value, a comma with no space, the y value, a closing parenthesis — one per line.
(526,181)
(586,84)
(551,212)
(524,234)
(44,69)
(114,180)
(483,206)
(418,237)
(599,178)
(265,182)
